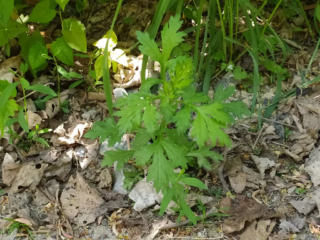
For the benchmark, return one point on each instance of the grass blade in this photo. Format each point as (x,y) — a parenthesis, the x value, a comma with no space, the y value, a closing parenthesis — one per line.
(196,48)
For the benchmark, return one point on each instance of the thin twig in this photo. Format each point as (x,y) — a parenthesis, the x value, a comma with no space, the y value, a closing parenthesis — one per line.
(220,172)
(283,145)
(29,94)
(284,124)
(255,143)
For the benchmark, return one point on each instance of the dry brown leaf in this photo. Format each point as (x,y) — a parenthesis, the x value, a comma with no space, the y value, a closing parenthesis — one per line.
(312,166)
(238,182)
(263,164)
(260,230)
(105,179)
(52,106)
(80,202)
(9,169)
(242,209)
(33,119)
(29,175)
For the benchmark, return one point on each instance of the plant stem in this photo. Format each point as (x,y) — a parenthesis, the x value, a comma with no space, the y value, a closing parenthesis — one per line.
(223,30)
(106,74)
(196,49)
(58,77)
(273,12)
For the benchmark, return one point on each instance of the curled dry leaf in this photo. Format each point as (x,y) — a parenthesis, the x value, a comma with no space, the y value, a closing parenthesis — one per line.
(9,169)
(243,209)
(52,106)
(237,178)
(308,204)
(80,202)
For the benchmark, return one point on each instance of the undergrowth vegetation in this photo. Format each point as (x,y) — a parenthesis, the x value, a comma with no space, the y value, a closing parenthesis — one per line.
(177,125)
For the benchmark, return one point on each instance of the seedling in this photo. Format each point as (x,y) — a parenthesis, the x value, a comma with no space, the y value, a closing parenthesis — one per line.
(21,227)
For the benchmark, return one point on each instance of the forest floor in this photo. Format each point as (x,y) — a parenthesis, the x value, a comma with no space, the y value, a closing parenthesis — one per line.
(266,187)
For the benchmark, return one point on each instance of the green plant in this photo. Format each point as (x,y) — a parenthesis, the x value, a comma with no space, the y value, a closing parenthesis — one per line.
(21,227)
(166,119)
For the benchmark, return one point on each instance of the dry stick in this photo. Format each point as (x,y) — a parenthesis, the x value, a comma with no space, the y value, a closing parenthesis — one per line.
(220,172)
(255,143)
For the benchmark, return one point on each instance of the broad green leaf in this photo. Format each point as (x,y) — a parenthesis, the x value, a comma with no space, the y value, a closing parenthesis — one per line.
(27,41)
(98,66)
(75,75)
(175,153)
(73,32)
(199,130)
(62,3)
(12,30)
(3,85)
(22,121)
(103,130)
(121,156)
(7,110)
(222,94)
(42,12)
(23,67)
(7,93)
(166,200)
(35,55)
(42,89)
(76,83)
(101,44)
(150,118)
(62,51)
(193,182)
(160,170)
(187,211)
(42,141)
(6,8)
(144,154)
(63,72)
(25,84)
(149,47)
(182,119)
(170,36)
(142,138)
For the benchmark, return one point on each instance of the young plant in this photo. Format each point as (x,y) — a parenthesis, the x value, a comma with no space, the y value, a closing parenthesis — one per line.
(173,127)
(21,227)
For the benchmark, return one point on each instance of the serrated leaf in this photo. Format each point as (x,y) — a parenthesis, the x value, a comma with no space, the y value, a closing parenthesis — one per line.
(216,132)
(239,73)
(43,12)
(170,36)
(150,118)
(216,111)
(62,3)
(149,47)
(22,121)
(121,156)
(144,154)
(181,72)
(199,130)
(237,108)
(12,30)
(182,119)
(168,109)
(178,138)
(5,11)
(166,200)
(103,130)
(35,55)
(142,138)
(148,83)
(73,32)
(113,40)
(7,110)
(193,182)
(201,155)
(42,89)
(175,153)
(160,170)
(98,66)
(62,51)
(222,94)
